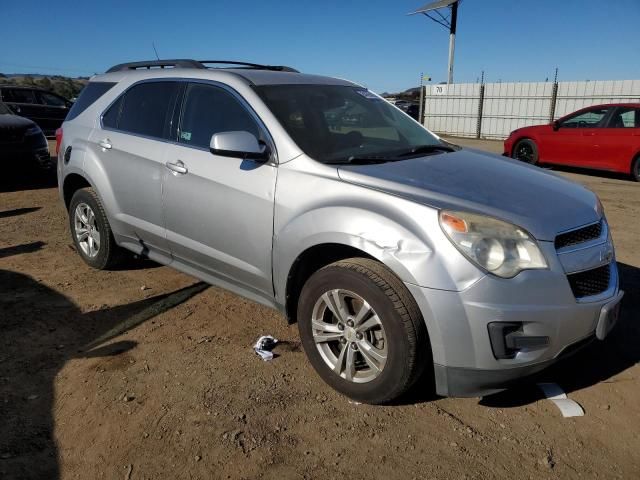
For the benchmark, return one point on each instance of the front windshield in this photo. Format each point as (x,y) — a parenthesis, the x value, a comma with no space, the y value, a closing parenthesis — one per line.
(4,110)
(335,123)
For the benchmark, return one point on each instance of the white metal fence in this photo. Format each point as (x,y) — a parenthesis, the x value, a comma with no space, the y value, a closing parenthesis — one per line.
(493,110)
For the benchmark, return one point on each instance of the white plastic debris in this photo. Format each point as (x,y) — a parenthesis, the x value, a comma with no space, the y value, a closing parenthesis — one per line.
(264,345)
(568,407)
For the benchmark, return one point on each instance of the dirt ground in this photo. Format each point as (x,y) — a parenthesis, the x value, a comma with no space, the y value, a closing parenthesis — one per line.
(146,373)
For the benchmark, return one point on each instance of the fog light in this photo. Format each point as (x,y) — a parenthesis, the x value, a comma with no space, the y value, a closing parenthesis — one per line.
(508,338)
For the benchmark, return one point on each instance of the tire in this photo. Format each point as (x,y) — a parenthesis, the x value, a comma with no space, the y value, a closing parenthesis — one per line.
(526,151)
(90,231)
(635,169)
(397,333)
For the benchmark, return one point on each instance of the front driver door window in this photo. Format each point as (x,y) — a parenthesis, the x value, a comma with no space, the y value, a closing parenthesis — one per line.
(219,214)
(593,118)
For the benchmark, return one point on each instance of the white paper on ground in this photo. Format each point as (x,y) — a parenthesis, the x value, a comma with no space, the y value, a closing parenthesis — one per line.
(568,407)
(264,345)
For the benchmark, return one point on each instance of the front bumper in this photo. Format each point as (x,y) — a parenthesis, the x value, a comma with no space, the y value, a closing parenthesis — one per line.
(32,151)
(540,300)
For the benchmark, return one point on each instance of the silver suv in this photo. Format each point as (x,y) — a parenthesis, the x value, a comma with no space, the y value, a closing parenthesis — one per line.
(402,258)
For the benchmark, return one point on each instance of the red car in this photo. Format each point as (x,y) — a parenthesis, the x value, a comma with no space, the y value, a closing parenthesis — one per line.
(603,137)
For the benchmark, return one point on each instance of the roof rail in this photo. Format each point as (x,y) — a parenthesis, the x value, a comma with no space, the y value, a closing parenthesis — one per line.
(256,66)
(177,63)
(200,64)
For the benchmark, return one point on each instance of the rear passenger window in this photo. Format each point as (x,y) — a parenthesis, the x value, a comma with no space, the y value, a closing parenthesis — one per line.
(208,110)
(626,117)
(18,95)
(145,109)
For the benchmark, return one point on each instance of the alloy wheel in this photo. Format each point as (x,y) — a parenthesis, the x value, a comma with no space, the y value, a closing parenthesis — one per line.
(86,230)
(349,336)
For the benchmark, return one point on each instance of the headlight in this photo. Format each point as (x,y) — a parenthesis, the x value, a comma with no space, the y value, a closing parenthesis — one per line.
(33,130)
(498,247)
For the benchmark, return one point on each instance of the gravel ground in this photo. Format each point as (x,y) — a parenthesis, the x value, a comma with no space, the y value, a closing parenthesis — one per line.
(146,373)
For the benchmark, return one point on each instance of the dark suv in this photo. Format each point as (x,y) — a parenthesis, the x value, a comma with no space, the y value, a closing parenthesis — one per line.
(45,108)
(22,143)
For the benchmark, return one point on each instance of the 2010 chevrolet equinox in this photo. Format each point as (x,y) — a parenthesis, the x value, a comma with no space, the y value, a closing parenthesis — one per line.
(401,257)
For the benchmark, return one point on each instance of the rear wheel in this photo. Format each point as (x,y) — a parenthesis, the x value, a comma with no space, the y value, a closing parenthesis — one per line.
(362,330)
(526,151)
(91,232)
(635,169)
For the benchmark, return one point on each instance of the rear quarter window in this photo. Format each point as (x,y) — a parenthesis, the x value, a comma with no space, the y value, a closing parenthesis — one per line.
(92,92)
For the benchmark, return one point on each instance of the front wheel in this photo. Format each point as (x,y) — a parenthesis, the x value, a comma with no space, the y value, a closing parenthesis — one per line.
(526,151)
(362,330)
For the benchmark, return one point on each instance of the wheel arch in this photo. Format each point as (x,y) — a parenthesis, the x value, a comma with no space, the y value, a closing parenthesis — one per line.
(307,263)
(519,139)
(71,184)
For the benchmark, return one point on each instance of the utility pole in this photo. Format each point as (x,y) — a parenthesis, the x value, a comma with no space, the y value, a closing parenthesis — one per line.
(452,39)
(450,23)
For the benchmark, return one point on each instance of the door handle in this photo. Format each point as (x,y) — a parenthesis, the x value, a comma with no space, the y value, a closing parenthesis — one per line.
(177,167)
(106,144)
(589,134)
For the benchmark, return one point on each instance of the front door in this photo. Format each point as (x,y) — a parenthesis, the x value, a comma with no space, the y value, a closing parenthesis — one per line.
(219,210)
(573,142)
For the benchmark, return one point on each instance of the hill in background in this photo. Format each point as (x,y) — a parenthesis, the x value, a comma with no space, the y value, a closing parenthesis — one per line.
(65,86)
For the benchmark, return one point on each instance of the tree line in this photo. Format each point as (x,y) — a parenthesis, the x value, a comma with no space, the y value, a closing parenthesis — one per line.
(65,86)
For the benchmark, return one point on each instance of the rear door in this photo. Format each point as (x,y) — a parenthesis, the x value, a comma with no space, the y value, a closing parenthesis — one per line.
(219,212)
(618,142)
(573,142)
(131,146)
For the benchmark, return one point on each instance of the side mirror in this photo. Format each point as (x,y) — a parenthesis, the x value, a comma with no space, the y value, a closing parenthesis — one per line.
(16,109)
(239,145)
(556,125)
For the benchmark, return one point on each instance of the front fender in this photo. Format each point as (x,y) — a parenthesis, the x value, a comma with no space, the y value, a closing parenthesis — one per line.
(388,242)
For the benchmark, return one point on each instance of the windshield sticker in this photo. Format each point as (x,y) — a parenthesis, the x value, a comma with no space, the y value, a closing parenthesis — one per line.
(368,94)
(185,136)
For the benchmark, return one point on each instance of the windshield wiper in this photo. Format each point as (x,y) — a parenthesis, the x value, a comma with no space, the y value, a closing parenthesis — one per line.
(421,149)
(361,160)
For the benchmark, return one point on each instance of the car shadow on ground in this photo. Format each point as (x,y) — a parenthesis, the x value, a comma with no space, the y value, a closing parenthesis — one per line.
(24,248)
(30,180)
(589,172)
(40,330)
(18,211)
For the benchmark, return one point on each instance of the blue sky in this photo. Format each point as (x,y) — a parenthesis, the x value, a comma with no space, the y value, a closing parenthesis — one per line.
(372,42)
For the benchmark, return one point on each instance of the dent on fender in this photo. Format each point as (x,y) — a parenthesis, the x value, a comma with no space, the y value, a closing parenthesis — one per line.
(408,252)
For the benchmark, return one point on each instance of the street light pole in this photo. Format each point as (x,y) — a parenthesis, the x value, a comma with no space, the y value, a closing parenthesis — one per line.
(451,23)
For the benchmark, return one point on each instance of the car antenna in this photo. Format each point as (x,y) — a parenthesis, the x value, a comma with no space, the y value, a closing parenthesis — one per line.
(154,49)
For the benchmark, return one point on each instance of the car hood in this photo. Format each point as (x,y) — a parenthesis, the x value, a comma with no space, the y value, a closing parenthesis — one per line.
(14,121)
(470,180)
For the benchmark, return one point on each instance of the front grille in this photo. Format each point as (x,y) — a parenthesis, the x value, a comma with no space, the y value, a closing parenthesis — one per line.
(590,282)
(580,235)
